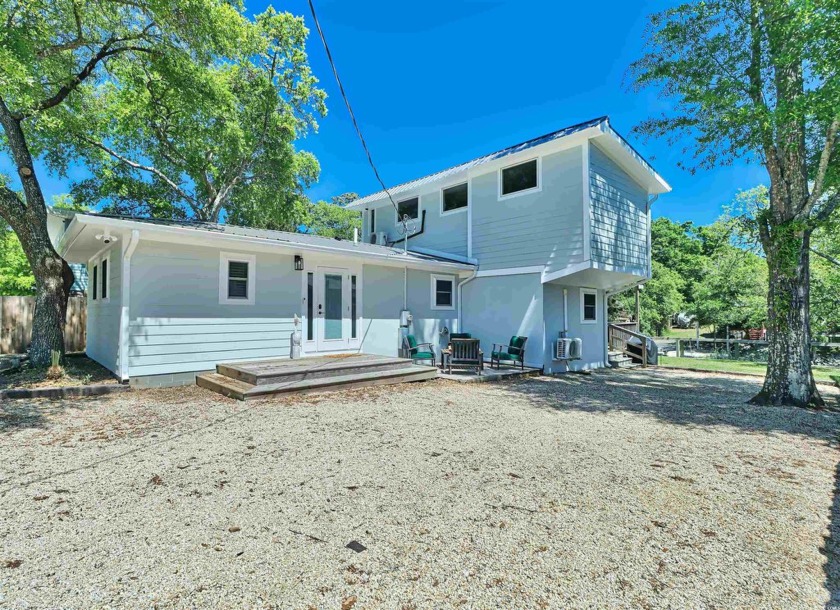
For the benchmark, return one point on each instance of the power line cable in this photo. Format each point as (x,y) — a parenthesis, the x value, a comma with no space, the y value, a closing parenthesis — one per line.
(349,108)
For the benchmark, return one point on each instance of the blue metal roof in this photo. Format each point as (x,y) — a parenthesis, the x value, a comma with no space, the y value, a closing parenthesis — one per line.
(601,122)
(510,150)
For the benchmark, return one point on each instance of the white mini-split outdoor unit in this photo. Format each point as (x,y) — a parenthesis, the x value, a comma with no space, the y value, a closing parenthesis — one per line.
(381,238)
(568,349)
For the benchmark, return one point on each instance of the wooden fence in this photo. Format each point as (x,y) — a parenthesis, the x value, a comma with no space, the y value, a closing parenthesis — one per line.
(16,324)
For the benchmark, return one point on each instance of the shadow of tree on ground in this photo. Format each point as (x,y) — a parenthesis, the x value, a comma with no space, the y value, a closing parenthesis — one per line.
(700,401)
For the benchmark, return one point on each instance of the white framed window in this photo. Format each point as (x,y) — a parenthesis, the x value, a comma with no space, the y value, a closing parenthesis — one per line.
(443,292)
(372,221)
(454,198)
(94,284)
(520,178)
(408,207)
(588,306)
(104,281)
(237,278)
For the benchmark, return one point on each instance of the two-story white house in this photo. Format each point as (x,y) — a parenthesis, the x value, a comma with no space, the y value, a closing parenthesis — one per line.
(526,241)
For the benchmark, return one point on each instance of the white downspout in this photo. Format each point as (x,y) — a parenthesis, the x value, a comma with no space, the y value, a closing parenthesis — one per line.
(650,203)
(128,250)
(460,292)
(405,287)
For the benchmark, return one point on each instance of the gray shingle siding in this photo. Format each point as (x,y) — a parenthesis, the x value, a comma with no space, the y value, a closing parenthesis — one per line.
(543,228)
(618,217)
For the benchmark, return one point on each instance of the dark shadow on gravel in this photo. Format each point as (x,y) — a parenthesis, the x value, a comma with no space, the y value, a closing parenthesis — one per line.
(23,414)
(699,402)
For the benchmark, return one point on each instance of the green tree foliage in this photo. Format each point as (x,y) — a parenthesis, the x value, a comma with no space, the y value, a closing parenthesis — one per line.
(732,291)
(174,136)
(332,219)
(660,299)
(675,246)
(758,79)
(15,273)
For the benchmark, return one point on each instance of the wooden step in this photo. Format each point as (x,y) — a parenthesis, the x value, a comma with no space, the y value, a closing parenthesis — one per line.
(235,388)
(272,372)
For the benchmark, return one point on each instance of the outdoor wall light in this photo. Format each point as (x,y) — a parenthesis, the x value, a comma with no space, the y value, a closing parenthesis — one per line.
(298,262)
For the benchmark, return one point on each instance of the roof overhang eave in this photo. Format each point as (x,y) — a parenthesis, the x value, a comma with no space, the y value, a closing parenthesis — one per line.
(150,232)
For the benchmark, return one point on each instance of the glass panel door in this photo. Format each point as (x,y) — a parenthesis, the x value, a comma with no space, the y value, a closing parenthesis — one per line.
(333,320)
(332,305)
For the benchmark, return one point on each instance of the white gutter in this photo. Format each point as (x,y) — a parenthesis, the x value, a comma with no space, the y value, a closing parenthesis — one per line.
(650,203)
(149,229)
(125,283)
(460,292)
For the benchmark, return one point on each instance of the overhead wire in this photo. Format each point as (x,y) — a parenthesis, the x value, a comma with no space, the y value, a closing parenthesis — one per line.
(349,107)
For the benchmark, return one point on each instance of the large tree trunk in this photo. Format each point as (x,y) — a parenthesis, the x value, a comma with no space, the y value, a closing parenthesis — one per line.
(789,379)
(53,277)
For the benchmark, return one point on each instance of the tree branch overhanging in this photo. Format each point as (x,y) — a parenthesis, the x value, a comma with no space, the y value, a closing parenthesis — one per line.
(146,168)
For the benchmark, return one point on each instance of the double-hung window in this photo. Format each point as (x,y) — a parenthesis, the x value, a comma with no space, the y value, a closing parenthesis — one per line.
(236,279)
(519,178)
(588,306)
(443,292)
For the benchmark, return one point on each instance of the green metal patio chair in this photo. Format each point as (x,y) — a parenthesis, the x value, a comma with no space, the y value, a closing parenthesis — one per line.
(418,351)
(512,354)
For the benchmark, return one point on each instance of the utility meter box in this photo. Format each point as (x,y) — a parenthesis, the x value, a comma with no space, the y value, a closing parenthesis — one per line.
(405,318)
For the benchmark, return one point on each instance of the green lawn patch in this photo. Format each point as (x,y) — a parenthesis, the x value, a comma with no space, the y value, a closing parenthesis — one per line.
(821,373)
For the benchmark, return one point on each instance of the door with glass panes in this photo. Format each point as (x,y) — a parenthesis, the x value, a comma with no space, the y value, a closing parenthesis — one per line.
(335,309)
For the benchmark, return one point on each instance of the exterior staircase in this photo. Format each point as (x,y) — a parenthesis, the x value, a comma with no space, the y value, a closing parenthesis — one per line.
(244,380)
(629,347)
(618,360)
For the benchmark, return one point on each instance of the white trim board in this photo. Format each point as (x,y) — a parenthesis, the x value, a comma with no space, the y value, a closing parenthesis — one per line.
(510,271)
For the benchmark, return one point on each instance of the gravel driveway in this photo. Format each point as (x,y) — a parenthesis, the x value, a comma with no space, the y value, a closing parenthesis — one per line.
(653,489)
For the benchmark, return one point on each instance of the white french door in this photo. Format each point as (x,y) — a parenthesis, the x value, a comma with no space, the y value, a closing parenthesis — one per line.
(336,310)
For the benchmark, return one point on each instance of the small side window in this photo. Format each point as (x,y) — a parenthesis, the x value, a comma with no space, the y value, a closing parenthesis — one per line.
(95,283)
(236,281)
(589,306)
(104,272)
(443,290)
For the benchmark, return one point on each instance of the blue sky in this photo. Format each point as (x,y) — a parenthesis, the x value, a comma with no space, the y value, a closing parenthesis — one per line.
(438,82)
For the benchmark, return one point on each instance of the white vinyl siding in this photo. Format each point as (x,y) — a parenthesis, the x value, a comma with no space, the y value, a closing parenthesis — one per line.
(178,323)
(538,228)
(618,215)
(103,314)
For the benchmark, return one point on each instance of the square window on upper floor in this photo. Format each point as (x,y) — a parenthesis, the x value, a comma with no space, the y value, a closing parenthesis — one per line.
(519,178)
(408,207)
(454,198)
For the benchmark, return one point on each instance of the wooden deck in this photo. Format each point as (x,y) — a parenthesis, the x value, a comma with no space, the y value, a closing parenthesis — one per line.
(243,380)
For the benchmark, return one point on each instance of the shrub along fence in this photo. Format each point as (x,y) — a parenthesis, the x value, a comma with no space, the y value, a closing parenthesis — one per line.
(16,324)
